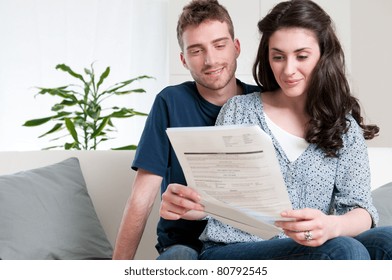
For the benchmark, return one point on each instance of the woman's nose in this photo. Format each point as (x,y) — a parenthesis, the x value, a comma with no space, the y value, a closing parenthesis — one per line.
(290,67)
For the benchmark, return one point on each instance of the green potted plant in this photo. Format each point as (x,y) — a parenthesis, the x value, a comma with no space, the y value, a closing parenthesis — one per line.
(81,113)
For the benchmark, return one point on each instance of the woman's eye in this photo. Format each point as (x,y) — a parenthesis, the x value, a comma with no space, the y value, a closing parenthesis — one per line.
(278,57)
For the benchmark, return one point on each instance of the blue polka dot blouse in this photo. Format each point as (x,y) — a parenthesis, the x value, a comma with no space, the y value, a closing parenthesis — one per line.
(332,185)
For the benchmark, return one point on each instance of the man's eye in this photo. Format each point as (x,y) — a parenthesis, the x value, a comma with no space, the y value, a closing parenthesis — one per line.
(220,46)
(195,51)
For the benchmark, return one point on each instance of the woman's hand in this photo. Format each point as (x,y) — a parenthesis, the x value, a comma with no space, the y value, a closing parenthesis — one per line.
(181,202)
(310,227)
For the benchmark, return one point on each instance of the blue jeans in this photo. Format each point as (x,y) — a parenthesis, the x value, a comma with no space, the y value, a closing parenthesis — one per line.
(179,252)
(375,243)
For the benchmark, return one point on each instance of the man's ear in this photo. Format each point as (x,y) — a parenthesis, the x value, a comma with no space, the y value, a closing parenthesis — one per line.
(237,46)
(183,61)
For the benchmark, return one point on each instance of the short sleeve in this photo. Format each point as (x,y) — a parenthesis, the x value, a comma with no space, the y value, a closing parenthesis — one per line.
(154,143)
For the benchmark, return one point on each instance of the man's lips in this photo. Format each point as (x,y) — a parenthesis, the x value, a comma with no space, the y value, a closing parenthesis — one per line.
(214,72)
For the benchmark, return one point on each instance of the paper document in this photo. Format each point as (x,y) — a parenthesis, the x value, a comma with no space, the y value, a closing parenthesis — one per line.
(236,172)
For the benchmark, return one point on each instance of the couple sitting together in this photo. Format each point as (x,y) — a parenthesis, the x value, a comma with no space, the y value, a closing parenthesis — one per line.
(302,101)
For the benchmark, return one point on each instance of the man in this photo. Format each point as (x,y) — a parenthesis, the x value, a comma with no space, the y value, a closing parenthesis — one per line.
(209,51)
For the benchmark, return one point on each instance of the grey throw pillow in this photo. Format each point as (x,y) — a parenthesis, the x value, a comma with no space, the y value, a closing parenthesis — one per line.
(382,200)
(47,213)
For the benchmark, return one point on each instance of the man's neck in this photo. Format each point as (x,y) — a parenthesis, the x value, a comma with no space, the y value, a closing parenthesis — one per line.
(220,96)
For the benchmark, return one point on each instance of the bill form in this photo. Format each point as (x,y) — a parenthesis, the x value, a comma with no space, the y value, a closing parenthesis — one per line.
(236,172)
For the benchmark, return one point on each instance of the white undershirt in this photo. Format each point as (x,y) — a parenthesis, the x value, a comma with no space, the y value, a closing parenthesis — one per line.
(292,145)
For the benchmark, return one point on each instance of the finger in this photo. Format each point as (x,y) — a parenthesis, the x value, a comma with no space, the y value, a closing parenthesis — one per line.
(167,215)
(295,226)
(306,238)
(171,211)
(184,191)
(300,214)
(175,202)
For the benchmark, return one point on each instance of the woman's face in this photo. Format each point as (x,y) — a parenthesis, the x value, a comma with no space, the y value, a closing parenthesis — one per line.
(293,54)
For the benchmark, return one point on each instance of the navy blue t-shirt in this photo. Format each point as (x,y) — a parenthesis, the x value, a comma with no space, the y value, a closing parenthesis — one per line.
(175,106)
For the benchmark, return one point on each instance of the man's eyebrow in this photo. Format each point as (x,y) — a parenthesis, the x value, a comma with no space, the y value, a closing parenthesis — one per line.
(221,39)
(214,42)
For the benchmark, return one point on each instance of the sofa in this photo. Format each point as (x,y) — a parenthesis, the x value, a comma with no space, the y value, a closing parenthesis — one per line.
(108,178)
(69,204)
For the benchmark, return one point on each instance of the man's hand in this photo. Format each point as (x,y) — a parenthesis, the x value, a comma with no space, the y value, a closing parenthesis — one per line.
(181,202)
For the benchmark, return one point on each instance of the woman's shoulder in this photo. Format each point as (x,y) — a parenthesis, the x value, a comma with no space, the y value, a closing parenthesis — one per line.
(353,127)
(244,98)
(241,109)
(354,133)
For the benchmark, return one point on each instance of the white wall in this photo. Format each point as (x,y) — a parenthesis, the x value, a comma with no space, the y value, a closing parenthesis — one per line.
(360,25)
(129,36)
(372,63)
(37,35)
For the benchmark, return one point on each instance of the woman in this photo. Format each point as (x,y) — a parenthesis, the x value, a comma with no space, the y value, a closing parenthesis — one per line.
(319,137)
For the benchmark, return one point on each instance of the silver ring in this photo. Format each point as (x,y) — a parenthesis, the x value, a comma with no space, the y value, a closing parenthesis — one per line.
(308,235)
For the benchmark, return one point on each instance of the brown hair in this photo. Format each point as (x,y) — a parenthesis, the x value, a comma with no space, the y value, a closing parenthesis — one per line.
(329,97)
(198,11)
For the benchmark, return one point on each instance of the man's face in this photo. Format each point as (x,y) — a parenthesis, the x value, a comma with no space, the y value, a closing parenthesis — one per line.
(210,54)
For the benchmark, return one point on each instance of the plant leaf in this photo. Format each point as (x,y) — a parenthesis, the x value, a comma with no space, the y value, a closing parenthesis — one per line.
(37,122)
(51,147)
(51,90)
(126,113)
(61,115)
(55,128)
(87,71)
(61,92)
(57,107)
(138,90)
(120,85)
(71,128)
(104,75)
(67,102)
(67,69)
(69,146)
(104,122)
(129,147)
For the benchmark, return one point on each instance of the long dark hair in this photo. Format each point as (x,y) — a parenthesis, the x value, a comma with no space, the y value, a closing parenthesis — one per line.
(329,98)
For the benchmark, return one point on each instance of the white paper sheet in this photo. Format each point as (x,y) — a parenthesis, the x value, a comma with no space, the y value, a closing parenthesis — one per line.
(236,172)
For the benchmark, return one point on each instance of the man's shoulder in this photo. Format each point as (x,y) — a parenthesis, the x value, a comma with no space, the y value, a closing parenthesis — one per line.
(183,93)
(249,88)
(188,86)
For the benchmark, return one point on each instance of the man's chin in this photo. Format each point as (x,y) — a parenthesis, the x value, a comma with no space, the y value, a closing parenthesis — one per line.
(214,84)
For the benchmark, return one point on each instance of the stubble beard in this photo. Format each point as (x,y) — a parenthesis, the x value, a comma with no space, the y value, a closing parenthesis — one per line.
(220,82)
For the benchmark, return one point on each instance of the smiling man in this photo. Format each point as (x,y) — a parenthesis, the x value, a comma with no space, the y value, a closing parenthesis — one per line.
(209,51)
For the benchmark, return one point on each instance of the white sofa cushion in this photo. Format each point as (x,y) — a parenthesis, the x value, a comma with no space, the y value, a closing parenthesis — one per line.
(380,160)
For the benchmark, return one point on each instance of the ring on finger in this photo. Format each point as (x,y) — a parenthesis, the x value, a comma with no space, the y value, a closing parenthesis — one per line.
(308,235)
